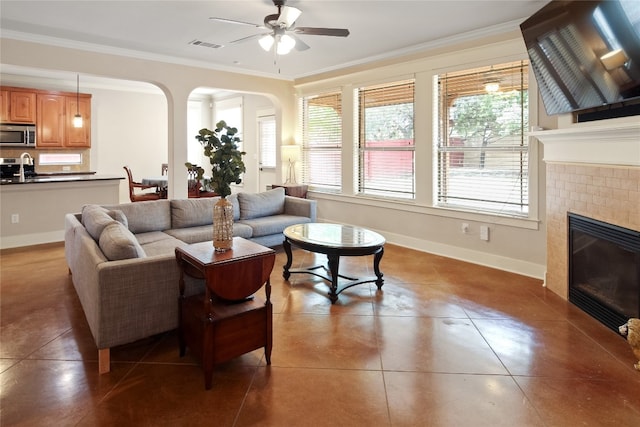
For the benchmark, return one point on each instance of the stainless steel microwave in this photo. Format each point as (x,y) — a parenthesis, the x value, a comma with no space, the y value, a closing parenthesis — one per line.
(17,135)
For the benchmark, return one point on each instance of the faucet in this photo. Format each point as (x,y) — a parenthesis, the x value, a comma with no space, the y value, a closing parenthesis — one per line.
(22,157)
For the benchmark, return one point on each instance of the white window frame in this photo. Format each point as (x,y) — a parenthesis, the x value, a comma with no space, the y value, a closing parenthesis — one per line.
(361,150)
(308,150)
(269,150)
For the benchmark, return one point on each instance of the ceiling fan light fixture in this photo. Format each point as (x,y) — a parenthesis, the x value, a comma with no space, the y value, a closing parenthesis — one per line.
(266,42)
(77,119)
(285,44)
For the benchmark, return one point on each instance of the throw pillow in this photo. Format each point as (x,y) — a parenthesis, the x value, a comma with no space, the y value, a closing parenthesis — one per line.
(95,218)
(117,242)
(233,198)
(261,204)
(192,212)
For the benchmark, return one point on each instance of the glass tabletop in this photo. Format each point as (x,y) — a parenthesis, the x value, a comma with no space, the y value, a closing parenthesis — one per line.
(334,235)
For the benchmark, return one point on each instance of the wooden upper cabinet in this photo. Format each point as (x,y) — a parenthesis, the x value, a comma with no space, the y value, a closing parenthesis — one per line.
(18,107)
(4,106)
(51,123)
(78,137)
(52,113)
(22,107)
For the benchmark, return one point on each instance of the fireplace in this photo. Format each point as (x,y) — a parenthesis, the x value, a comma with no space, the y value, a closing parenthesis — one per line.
(604,270)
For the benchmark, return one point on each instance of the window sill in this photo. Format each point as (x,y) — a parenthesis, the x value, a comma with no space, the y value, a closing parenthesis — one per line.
(412,206)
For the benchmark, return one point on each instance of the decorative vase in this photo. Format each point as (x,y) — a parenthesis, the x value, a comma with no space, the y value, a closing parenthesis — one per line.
(222,225)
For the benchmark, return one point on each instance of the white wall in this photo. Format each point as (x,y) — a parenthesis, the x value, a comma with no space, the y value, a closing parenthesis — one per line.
(129,129)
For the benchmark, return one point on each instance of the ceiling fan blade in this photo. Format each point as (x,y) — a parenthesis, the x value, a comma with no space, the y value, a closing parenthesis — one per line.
(233,21)
(251,37)
(300,45)
(335,32)
(288,16)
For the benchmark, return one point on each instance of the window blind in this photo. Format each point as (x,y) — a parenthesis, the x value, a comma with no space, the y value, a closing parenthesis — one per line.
(482,148)
(386,145)
(267,141)
(321,128)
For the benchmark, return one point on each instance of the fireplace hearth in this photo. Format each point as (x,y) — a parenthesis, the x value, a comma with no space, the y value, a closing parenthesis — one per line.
(604,270)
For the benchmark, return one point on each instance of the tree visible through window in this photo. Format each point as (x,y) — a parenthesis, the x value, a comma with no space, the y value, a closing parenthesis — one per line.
(386,145)
(482,146)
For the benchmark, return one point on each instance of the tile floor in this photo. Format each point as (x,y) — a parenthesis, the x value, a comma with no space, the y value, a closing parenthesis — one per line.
(445,343)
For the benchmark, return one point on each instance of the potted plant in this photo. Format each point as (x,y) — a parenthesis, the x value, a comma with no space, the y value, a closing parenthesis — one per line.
(221,147)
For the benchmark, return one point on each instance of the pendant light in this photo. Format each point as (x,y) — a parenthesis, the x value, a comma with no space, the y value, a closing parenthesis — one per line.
(77,119)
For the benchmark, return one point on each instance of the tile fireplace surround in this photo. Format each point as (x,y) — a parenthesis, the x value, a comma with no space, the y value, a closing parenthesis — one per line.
(593,169)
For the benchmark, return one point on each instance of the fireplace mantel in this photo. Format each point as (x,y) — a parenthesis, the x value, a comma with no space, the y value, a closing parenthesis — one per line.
(610,142)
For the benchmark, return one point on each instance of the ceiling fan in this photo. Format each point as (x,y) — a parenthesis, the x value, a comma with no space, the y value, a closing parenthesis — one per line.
(282,30)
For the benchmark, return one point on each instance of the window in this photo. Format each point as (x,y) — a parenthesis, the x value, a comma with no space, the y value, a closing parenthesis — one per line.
(267,141)
(385,145)
(230,110)
(482,148)
(321,126)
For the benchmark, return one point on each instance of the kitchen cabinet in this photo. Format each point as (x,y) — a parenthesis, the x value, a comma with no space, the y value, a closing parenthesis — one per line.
(78,137)
(4,106)
(51,121)
(54,127)
(18,106)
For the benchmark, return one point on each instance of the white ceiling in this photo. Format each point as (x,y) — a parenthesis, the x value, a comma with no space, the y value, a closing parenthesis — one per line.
(163,29)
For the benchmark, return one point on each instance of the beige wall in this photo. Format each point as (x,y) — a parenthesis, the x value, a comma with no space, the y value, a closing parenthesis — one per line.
(514,245)
(176,82)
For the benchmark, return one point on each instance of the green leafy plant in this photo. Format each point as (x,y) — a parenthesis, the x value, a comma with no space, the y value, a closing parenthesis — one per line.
(221,147)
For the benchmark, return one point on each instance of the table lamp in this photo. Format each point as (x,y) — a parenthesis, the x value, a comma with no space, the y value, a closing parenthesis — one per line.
(290,154)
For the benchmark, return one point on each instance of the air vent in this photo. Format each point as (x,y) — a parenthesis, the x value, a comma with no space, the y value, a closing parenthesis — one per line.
(205,44)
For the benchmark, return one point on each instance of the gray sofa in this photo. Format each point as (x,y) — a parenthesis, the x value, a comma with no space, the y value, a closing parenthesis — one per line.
(122,257)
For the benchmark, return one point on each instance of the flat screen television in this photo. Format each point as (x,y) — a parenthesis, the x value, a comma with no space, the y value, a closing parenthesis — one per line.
(585,55)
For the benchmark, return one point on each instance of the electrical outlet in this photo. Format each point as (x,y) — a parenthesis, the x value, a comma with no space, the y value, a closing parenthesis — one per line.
(465,228)
(484,232)
(66,168)
(15,218)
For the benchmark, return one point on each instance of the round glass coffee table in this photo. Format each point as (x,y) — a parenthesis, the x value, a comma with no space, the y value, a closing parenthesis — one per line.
(334,240)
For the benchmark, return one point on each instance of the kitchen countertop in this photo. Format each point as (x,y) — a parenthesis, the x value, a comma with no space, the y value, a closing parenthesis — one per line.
(64,177)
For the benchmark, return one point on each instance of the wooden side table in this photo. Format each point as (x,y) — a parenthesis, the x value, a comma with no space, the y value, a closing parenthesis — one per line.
(295,190)
(227,320)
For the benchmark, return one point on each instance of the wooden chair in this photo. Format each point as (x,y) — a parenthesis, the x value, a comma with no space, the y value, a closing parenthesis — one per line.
(133,186)
(194,189)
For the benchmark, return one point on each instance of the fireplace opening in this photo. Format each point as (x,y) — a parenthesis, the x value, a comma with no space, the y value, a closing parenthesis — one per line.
(604,270)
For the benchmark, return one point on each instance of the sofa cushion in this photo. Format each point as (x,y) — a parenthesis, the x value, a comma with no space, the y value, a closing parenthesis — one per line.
(162,247)
(154,215)
(95,218)
(273,224)
(205,232)
(192,212)
(261,204)
(233,198)
(117,242)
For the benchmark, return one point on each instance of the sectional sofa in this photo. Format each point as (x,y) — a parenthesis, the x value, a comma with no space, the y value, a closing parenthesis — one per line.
(122,257)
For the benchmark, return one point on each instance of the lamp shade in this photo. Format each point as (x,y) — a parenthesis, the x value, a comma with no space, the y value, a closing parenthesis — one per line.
(290,153)
(285,44)
(266,42)
(614,59)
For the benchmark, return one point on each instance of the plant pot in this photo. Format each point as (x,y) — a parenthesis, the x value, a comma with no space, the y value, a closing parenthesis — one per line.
(222,225)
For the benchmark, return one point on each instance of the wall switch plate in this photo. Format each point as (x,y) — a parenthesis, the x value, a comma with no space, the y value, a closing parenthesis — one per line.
(15,218)
(484,232)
